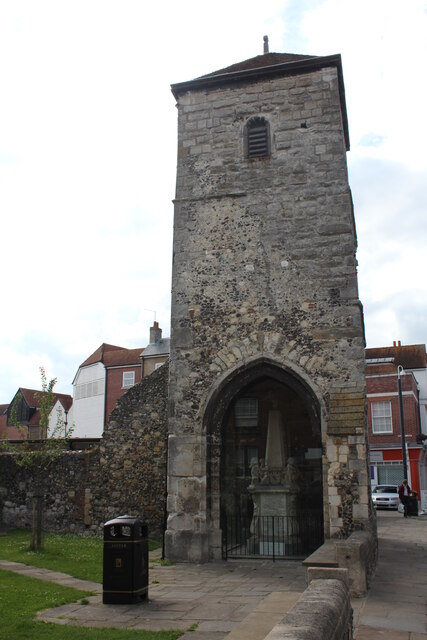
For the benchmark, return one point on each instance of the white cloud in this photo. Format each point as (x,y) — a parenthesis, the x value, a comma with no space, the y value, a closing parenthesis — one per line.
(384,50)
(88,157)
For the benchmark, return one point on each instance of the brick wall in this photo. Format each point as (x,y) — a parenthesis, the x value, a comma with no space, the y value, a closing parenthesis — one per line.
(115,388)
(383,387)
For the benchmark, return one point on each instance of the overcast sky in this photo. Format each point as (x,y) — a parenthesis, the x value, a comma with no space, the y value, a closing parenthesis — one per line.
(88,159)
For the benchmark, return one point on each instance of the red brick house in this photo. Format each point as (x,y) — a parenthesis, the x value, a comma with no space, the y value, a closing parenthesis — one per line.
(105,377)
(385,439)
(100,381)
(28,414)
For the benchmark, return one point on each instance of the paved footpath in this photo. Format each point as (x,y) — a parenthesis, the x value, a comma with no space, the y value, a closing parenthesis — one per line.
(396,605)
(243,600)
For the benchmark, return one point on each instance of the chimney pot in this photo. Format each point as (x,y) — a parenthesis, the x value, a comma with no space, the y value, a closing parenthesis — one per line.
(394,343)
(155,333)
(399,344)
(265,44)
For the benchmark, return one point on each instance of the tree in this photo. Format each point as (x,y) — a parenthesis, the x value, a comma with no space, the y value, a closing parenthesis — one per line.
(37,456)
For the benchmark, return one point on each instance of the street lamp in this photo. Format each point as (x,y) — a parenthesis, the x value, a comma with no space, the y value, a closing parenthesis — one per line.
(402,422)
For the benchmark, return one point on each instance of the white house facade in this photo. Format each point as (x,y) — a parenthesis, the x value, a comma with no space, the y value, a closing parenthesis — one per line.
(89,401)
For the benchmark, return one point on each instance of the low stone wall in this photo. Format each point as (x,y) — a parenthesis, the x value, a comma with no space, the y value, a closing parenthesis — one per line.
(125,473)
(66,489)
(352,560)
(358,554)
(323,612)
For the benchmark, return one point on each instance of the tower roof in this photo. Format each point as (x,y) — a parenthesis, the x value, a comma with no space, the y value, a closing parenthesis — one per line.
(264,66)
(264,60)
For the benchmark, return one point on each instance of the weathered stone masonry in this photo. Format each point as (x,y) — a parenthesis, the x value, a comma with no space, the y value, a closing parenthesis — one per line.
(126,473)
(264,272)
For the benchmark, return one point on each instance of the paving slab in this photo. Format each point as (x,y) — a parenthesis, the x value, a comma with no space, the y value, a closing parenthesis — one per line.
(265,616)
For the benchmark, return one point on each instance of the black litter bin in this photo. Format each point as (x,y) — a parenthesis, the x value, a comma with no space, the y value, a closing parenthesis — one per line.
(413,505)
(125,567)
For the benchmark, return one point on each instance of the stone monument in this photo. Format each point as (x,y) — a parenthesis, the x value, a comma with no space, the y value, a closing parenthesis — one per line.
(274,488)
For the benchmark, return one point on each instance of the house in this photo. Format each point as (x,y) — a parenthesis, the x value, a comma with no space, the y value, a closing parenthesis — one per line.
(27,407)
(99,382)
(3,420)
(106,375)
(156,353)
(384,366)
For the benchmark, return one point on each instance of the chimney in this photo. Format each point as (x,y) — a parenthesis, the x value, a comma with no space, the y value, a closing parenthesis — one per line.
(265,44)
(399,344)
(155,333)
(394,343)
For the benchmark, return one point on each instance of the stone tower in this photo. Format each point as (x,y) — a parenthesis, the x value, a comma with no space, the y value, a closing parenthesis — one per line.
(267,326)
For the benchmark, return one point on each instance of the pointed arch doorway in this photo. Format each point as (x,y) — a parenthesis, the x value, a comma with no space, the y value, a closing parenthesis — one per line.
(265,464)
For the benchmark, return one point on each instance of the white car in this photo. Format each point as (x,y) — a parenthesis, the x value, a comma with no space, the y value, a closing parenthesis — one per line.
(385,496)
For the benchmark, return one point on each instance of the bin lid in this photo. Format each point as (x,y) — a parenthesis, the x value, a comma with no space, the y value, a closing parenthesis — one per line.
(123,520)
(125,527)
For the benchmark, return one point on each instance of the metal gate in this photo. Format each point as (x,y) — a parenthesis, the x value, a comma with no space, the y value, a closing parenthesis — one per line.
(272,536)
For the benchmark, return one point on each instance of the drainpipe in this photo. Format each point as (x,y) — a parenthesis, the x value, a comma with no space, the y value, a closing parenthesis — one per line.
(104,418)
(402,423)
(165,497)
(420,431)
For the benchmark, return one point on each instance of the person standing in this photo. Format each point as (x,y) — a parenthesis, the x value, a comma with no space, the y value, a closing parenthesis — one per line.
(404,493)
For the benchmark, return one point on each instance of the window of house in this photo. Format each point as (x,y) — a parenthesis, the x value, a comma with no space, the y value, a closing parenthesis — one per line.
(381,417)
(89,389)
(246,412)
(257,138)
(128,379)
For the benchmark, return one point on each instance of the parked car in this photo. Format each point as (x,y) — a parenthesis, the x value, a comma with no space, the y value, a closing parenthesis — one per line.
(385,496)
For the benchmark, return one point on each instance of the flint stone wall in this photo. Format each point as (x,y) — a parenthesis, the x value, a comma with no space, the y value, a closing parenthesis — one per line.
(264,271)
(66,488)
(126,473)
(132,464)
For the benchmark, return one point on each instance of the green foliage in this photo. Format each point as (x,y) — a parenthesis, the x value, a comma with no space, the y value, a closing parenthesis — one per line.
(21,598)
(164,562)
(37,457)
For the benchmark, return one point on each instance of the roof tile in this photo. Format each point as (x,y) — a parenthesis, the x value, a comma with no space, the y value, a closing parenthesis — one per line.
(411,356)
(264,60)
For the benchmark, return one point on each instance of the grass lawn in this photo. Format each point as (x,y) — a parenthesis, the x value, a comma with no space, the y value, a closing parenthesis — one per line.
(21,598)
(78,556)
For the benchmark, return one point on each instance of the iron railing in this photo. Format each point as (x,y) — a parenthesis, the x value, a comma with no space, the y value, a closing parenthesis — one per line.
(272,536)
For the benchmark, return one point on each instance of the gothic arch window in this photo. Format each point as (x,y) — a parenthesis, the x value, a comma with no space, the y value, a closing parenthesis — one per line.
(257,138)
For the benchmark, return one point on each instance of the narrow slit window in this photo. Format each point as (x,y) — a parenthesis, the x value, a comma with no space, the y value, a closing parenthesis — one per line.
(257,138)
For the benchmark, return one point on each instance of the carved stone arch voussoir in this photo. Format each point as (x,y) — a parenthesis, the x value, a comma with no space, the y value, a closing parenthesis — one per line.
(243,373)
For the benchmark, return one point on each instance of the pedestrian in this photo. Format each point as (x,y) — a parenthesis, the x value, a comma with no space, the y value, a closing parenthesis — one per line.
(404,493)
